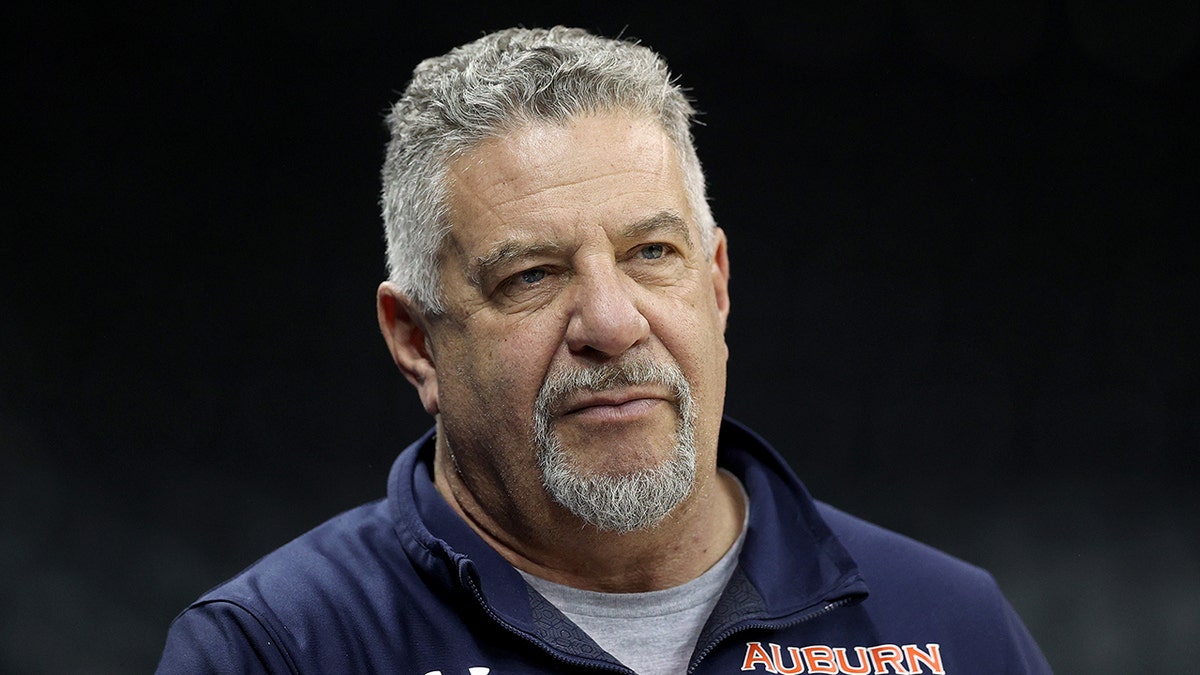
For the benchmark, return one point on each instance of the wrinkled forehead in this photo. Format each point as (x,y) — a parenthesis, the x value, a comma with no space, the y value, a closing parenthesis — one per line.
(589,170)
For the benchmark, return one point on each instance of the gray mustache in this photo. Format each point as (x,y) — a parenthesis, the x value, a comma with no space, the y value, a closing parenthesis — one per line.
(559,385)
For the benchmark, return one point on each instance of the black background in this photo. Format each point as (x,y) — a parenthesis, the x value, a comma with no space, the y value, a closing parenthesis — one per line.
(964,284)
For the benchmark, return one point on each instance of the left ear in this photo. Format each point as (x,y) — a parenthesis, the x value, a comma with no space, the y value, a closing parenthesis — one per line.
(720,274)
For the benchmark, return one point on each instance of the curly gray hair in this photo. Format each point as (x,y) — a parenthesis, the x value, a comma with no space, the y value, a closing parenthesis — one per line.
(494,85)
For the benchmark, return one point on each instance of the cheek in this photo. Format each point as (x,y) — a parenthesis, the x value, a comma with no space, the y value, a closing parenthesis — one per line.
(694,337)
(502,370)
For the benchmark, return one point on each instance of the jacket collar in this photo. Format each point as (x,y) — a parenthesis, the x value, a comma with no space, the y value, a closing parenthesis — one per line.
(790,565)
(790,554)
(441,545)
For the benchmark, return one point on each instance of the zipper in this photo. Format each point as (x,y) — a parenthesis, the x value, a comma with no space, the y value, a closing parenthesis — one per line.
(469,580)
(762,625)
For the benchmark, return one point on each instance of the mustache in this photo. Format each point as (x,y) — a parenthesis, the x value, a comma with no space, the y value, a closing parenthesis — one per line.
(565,382)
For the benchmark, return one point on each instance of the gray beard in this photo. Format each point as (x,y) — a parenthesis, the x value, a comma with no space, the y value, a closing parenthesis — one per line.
(621,502)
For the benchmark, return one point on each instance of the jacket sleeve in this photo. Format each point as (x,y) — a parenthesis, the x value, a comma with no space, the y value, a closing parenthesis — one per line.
(1024,654)
(221,637)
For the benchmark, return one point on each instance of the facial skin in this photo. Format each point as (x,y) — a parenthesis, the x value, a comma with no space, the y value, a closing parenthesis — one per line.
(573,247)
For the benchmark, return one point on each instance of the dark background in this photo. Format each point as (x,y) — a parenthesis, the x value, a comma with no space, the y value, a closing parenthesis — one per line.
(964,277)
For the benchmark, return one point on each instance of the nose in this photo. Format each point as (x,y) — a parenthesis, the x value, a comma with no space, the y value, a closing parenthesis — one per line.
(605,317)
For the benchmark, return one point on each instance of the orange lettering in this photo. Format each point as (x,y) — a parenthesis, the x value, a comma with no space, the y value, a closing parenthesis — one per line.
(864,662)
(757,656)
(888,655)
(931,658)
(797,662)
(820,659)
(823,660)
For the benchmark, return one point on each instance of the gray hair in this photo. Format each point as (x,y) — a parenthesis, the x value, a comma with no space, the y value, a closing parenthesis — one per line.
(497,84)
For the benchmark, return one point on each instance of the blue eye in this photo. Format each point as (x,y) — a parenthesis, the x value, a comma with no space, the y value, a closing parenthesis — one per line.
(652,251)
(533,276)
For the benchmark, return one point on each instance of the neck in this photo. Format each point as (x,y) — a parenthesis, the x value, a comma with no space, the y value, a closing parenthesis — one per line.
(551,543)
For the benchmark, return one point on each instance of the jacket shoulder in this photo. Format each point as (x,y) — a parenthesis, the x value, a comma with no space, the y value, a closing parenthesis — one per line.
(909,579)
(919,594)
(346,551)
(314,594)
(883,554)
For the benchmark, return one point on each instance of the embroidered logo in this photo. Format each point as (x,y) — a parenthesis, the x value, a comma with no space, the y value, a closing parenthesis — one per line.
(472,671)
(900,659)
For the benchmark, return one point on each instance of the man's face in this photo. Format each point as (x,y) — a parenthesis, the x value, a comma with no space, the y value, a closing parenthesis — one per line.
(576,285)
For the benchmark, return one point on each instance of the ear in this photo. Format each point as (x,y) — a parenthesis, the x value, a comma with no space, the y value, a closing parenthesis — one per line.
(720,274)
(407,335)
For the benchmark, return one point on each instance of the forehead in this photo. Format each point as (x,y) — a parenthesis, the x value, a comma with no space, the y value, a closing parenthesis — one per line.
(547,179)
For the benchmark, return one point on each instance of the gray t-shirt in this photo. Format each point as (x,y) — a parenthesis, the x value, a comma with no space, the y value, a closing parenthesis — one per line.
(653,633)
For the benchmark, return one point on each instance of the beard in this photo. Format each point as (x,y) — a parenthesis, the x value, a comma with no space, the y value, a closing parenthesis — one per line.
(622,502)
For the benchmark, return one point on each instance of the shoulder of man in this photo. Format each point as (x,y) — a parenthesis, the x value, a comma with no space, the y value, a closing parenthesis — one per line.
(922,593)
(884,555)
(312,593)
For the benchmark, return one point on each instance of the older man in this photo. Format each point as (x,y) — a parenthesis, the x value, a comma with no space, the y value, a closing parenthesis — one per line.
(558,296)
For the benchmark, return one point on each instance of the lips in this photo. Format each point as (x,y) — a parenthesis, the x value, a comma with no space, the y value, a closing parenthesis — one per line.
(612,403)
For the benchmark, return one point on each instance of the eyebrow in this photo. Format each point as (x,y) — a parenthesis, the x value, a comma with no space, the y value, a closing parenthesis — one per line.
(663,221)
(506,252)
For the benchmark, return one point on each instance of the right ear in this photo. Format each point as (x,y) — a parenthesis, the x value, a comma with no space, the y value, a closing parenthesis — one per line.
(407,336)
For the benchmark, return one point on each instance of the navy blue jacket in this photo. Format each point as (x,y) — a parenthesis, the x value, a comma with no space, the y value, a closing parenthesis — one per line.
(403,585)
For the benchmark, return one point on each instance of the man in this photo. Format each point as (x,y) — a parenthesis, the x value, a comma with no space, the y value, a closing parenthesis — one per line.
(558,296)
